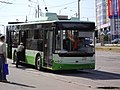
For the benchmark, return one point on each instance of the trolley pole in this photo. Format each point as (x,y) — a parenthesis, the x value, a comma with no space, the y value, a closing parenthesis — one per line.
(38,11)
(79,9)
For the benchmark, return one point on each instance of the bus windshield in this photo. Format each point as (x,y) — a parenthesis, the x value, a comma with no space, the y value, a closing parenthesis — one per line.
(74,40)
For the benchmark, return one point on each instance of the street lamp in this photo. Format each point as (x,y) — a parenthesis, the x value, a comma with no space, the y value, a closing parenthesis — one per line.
(75,13)
(31,6)
(62,9)
(32,1)
(37,11)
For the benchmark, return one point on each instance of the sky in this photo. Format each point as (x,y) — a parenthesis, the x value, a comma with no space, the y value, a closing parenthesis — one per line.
(17,10)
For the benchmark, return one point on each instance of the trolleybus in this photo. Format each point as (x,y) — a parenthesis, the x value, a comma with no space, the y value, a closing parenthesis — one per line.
(53,44)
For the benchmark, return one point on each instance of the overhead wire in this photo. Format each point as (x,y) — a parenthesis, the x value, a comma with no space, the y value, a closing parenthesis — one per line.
(63,4)
(6,3)
(46,8)
(44,3)
(31,6)
(11,1)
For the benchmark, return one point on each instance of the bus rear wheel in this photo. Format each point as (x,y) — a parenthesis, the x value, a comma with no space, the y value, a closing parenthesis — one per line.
(38,63)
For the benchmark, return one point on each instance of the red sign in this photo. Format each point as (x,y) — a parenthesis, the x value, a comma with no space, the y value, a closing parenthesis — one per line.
(119,7)
(110,8)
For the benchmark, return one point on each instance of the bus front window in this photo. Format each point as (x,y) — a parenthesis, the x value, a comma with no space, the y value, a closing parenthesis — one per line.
(73,41)
(78,43)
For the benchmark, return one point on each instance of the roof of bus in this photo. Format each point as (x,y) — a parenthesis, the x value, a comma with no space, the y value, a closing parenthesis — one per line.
(49,18)
(40,22)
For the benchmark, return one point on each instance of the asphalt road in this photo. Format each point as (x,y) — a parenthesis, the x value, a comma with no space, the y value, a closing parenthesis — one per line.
(106,76)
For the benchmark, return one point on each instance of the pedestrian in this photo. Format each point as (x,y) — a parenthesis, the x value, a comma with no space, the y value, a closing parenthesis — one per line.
(3,59)
(20,53)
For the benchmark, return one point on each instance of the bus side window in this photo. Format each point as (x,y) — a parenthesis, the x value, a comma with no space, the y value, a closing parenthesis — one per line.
(57,42)
(40,45)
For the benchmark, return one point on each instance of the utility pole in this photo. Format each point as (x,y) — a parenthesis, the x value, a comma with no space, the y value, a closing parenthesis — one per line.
(38,10)
(26,19)
(79,9)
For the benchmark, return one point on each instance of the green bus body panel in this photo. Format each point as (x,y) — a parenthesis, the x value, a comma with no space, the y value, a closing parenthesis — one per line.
(30,60)
(61,66)
(58,66)
(67,63)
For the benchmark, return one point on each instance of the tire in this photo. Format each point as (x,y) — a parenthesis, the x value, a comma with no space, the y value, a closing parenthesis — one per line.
(38,62)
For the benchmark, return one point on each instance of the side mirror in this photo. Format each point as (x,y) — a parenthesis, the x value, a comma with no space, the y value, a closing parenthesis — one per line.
(96,33)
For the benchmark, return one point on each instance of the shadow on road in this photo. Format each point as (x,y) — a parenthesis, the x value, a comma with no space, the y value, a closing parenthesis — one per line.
(19,84)
(23,66)
(90,74)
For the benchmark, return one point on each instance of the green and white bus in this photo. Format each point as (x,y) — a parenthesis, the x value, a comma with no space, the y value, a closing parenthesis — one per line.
(47,43)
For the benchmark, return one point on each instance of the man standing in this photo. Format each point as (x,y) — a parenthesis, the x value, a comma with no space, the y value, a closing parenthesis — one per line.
(3,59)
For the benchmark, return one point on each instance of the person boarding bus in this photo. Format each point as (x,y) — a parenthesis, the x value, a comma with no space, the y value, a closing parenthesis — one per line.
(19,53)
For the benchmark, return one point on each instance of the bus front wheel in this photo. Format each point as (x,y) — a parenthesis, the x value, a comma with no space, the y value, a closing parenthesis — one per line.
(38,63)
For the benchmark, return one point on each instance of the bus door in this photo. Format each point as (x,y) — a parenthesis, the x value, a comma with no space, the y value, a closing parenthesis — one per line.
(9,43)
(48,36)
(22,38)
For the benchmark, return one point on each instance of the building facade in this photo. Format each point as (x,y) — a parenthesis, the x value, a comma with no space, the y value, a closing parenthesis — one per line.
(102,19)
(108,19)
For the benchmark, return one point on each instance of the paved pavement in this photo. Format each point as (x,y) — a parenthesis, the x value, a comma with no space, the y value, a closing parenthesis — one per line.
(106,75)
(108,47)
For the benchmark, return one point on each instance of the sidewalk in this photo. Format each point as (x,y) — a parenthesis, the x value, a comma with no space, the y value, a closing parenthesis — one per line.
(108,47)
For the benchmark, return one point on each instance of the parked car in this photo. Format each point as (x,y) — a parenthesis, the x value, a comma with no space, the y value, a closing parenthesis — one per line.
(115,41)
(88,41)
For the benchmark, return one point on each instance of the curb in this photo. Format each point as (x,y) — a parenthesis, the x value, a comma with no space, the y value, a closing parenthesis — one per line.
(107,48)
